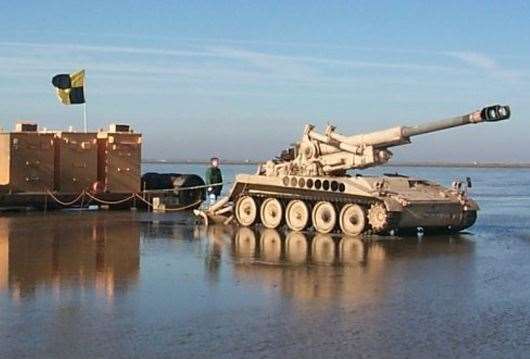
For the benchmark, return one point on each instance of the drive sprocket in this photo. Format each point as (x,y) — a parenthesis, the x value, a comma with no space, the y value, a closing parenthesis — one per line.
(378,218)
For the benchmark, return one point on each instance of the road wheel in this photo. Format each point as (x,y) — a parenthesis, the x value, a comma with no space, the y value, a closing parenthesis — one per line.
(297,215)
(271,213)
(246,210)
(352,219)
(324,217)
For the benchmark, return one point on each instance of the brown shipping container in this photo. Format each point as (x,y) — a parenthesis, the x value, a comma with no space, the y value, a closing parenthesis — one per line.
(119,157)
(76,156)
(26,161)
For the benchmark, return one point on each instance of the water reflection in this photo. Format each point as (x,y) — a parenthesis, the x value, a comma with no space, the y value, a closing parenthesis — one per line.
(308,266)
(47,253)
(170,228)
(271,246)
(4,257)
(296,248)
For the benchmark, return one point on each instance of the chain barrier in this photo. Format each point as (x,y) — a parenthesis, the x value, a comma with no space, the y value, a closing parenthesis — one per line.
(133,196)
(66,204)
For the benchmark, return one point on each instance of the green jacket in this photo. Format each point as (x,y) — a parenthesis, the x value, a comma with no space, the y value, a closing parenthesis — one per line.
(213,175)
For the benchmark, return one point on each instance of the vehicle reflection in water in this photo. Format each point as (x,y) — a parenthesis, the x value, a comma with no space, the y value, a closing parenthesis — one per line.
(296,248)
(308,266)
(269,246)
(46,254)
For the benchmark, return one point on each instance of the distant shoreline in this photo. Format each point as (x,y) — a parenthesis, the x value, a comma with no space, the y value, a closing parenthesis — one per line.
(393,164)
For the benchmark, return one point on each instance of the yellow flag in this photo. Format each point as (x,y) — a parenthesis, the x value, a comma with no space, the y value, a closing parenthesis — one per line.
(77,79)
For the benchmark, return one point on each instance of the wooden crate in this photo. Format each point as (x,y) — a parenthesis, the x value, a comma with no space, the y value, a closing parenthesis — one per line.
(76,161)
(26,161)
(119,161)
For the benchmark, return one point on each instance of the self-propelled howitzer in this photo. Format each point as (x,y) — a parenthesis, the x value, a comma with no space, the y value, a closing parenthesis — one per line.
(308,185)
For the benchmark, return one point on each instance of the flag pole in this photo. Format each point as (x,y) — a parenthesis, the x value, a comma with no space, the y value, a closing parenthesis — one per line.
(84,118)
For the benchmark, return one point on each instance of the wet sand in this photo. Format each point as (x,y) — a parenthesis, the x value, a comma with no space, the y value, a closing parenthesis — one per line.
(137,285)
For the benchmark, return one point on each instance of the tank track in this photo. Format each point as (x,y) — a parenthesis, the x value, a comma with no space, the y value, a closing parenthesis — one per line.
(311,197)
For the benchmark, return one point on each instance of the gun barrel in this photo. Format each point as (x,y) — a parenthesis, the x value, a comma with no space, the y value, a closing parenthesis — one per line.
(397,136)
(487,114)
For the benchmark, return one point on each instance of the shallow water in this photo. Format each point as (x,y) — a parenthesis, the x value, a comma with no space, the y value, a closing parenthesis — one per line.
(136,285)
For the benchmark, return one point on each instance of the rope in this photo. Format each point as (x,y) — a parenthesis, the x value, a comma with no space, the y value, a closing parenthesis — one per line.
(136,195)
(185,188)
(144,200)
(50,193)
(111,202)
(183,208)
(170,209)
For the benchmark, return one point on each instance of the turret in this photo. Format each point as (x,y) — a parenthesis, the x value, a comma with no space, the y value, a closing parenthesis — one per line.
(331,153)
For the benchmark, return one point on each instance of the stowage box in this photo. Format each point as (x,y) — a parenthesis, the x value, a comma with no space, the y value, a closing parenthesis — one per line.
(26,160)
(119,156)
(76,161)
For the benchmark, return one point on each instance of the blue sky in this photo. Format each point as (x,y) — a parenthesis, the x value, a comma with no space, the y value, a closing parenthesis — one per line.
(240,79)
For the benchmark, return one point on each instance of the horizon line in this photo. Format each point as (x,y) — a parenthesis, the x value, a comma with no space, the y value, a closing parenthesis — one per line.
(455,164)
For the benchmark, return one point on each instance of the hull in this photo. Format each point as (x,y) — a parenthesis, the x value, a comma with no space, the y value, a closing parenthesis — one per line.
(388,203)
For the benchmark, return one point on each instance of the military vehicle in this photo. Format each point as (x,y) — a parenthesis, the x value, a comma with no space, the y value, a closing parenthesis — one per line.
(309,185)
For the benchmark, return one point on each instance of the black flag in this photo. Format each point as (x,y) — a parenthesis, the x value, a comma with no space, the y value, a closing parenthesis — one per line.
(70,88)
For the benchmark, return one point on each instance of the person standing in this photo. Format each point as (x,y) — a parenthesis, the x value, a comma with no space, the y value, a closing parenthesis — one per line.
(214,180)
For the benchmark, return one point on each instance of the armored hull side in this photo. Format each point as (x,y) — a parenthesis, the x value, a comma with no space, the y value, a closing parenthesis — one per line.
(352,204)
